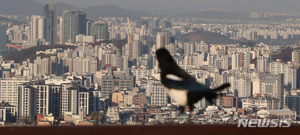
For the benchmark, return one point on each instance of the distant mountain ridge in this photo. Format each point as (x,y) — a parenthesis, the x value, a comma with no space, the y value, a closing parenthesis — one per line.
(240,8)
(18,7)
(112,11)
(214,15)
(32,7)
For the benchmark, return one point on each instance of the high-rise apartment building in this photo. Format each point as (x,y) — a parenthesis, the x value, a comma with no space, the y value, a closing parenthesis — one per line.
(26,104)
(69,99)
(271,85)
(60,30)
(171,48)
(262,64)
(37,28)
(3,36)
(124,80)
(162,39)
(74,23)
(50,23)
(100,31)
(107,84)
(9,90)
(43,99)
(55,97)
(97,101)
(41,66)
(134,47)
(84,101)
(81,65)
(289,72)
(244,87)
(189,48)
(241,60)
(296,58)
(89,24)
(240,86)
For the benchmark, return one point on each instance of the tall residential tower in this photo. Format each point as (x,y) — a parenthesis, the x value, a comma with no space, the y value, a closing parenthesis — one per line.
(50,23)
(74,23)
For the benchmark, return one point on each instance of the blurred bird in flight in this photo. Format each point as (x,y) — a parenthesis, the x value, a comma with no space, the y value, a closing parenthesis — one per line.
(181,86)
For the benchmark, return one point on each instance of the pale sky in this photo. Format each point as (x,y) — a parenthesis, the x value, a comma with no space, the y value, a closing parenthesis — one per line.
(188,5)
(135,3)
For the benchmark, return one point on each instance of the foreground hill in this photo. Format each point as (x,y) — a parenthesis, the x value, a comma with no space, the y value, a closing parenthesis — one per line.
(285,55)
(30,53)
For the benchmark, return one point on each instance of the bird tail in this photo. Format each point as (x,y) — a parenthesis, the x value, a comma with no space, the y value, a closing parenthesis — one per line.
(223,86)
(215,93)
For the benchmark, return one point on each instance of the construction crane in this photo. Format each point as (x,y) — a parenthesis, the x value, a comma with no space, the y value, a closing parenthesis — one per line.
(19,47)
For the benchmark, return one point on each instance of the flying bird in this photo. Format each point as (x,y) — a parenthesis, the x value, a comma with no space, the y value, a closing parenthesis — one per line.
(181,86)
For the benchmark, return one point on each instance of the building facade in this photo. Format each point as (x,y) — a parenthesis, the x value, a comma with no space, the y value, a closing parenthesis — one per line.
(74,23)
(50,23)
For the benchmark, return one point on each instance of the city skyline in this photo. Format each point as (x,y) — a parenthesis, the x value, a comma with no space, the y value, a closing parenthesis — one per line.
(68,69)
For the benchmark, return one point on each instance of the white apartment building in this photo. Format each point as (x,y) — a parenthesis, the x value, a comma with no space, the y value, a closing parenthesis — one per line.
(113,114)
(9,90)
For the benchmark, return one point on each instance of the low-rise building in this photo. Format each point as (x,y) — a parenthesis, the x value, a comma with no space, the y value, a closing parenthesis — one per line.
(277,114)
(140,99)
(261,103)
(113,114)
(229,102)
(293,102)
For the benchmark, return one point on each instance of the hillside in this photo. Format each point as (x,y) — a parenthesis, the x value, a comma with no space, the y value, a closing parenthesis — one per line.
(285,55)
(30,53)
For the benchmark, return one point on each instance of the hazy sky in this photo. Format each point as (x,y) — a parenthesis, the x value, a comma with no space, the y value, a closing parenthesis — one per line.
(140,4)
(188,5)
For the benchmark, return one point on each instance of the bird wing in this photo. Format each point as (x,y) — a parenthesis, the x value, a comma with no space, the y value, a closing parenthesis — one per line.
(186,85)
(194,86)
(177,78)
(180,73)
(173,77)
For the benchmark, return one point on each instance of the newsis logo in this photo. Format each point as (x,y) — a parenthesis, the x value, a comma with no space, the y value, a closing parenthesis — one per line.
(263,123)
